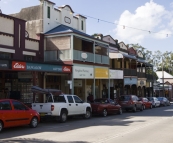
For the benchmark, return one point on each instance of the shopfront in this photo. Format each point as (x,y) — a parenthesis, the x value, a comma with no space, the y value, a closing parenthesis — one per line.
(102,83)
(23,75)
(116,83)
(130,85)
(83,77)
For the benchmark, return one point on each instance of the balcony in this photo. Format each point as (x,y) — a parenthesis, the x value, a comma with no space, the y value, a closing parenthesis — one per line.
(149,76)
(77,56)
(141,75)
(100,59)
(130,72)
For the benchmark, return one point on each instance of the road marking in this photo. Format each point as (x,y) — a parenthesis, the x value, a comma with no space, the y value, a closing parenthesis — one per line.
(129,131)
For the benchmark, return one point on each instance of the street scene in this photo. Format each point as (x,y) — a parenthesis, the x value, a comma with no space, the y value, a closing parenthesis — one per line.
(75,71)
(149,126)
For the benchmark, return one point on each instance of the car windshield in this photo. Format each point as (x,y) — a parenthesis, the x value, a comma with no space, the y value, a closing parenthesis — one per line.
(124,98)
(160,98)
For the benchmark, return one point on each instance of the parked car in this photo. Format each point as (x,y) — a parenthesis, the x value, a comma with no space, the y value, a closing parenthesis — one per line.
(130,102)
(105,106)
(146,102)
(163,101)
(155,101)
(14,113)
(60,106)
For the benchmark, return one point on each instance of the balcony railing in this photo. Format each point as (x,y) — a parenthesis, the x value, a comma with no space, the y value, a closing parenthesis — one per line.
(141,75)
(149,76)
(77,56)
(90,57)
(130,72)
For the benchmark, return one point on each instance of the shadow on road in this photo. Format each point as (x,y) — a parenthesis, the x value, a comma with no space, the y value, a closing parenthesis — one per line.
(25,140)
(126,119)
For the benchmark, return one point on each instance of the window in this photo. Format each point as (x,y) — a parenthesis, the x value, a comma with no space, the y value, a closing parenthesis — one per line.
(77,99)
(59,99)
(18,106)
(82,24)
(70,99)
(48,12)
(28,58)
(5,105)
(5,55)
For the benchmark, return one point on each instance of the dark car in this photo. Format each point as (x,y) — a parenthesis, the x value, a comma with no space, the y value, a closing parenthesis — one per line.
(105,106)
(147,104)
(163,101)
(130,102)
(14,113)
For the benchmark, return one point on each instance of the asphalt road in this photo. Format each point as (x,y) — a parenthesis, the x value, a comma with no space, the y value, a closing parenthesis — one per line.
(149,126)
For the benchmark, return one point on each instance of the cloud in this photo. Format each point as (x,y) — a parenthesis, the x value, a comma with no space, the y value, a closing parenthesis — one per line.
(6,1)
(162,34)
(148,17)
(171,4)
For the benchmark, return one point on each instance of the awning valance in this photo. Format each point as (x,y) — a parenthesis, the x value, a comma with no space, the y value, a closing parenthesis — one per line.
(120,55)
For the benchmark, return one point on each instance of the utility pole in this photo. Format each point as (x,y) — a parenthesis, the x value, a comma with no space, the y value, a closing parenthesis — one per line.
(163,79)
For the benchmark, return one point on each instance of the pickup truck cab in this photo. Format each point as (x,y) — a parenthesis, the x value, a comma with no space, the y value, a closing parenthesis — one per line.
(60,106)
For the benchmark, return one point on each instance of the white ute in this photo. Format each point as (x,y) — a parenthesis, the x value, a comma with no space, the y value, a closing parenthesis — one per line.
(60,105)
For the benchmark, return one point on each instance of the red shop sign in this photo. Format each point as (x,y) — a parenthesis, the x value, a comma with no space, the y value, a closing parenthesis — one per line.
(18,65)
(66,69)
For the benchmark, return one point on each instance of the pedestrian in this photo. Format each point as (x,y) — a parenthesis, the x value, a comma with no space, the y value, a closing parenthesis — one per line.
(90,98)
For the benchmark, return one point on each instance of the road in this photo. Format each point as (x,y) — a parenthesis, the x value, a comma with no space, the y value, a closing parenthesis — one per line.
(149,126)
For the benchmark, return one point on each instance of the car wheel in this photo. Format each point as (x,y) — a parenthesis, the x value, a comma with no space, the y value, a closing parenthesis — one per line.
(34,122)
(144,107)
(1,126)
(155,106)
(151,106)
(120,111)
(87,114)
(104,113)
(63,116)
(134,108)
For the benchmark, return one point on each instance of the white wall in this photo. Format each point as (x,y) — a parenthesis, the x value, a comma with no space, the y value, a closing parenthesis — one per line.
(57,17)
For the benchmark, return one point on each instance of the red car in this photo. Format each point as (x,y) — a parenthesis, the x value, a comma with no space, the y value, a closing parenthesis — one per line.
(146,103)
(14,113)
(105,106)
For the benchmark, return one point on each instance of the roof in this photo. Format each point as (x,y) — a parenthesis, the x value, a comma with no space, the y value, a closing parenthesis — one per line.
(166,75)
(66,29)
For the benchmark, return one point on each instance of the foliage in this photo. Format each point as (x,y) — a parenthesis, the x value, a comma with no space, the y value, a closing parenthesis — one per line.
(158,59)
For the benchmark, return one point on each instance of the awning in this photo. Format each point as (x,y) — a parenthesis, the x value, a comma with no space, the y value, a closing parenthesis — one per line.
(120,55)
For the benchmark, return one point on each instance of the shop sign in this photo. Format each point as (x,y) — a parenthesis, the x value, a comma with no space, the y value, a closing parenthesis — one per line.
(83,72)
(18,65)
(43,67)
(130,81)
(66,69)
(115,74)
(4,64)
(101,73)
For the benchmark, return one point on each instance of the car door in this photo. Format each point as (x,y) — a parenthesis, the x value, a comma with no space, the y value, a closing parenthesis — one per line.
(113,106)
(22,114)
(7,114)
(71,105)
(80,108)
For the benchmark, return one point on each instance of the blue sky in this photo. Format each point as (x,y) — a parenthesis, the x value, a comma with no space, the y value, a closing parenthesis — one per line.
(150,15)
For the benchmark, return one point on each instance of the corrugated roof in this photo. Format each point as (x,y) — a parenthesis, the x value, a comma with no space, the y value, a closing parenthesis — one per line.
(166,75)
(66,29)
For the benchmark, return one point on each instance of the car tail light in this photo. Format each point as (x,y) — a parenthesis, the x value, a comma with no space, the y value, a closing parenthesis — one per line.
(52,107)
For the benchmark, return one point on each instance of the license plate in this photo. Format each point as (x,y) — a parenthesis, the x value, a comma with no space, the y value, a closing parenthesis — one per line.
(42,114)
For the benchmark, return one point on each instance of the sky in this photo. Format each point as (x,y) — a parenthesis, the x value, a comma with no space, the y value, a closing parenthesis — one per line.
(146,22)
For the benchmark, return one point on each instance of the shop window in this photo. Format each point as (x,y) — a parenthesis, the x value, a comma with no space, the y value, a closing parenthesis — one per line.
(5,55)
(48,12)
(28,58)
